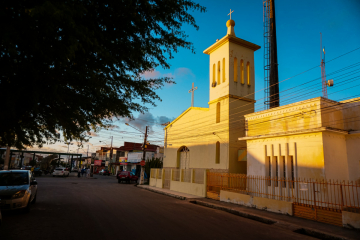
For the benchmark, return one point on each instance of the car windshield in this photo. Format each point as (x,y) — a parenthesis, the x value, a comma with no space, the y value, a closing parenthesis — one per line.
(14,178)
(59,169)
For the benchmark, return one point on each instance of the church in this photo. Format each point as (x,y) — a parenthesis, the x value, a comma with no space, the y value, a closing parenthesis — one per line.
(207,138)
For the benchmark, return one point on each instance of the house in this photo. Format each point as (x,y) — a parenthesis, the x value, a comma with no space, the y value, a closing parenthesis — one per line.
(314,139)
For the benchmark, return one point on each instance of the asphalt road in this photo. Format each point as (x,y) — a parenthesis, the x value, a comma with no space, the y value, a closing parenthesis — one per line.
(86,209)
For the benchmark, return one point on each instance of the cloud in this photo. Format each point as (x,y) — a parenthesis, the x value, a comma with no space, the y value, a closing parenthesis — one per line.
(147,119)
(183,72)
(179,74)
(151,74)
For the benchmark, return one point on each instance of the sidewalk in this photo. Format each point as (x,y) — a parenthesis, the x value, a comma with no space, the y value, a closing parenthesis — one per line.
(295,224)
(167,192)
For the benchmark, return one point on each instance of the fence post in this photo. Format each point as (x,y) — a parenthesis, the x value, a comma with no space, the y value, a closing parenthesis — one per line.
(342,198)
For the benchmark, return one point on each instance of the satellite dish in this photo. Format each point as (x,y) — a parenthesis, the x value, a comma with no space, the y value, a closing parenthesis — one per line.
(330,83)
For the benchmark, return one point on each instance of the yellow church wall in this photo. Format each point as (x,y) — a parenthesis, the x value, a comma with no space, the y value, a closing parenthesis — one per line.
(306,150)
(247,55)
(297,116)
(237,110)
(336,160)
(351,112)
(332,114)
(217,56)
(353,155)
(198,130)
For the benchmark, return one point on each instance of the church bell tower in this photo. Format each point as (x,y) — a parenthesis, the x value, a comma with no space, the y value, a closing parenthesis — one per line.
(232,66)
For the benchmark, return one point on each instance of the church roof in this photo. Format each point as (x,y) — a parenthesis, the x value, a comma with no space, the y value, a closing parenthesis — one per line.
(187,110)
(233,39)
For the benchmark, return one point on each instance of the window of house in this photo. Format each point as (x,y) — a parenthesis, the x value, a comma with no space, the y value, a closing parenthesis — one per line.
(242,71)
(235,70)
(292,174)
(248,72)
(276,171)
(223,70)
(218,73)
(284,171)
(268,174)
(214,75)
(218,112)
(217,159)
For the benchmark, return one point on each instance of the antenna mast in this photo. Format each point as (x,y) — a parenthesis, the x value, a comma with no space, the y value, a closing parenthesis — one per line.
(271,75)
(322,65)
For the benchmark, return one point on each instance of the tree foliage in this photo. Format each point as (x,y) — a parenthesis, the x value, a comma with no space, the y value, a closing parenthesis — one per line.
(74,65)
(152,163)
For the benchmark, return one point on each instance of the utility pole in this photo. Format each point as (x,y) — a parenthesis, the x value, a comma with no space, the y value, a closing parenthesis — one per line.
(144,155)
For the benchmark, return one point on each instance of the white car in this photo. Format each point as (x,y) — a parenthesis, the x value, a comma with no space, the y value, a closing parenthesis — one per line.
(18,189)
(61,171)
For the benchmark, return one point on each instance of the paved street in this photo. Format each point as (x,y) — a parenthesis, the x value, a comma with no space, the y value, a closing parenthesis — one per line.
(80,208)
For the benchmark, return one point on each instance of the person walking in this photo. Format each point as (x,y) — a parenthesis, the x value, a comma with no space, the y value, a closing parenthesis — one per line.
(79,171)
(88,172)
(82,172)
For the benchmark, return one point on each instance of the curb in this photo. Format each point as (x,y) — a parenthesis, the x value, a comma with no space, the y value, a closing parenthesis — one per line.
(161,192)
(293,227)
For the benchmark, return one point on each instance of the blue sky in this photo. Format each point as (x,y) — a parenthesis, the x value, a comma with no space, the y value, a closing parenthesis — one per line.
(298,24)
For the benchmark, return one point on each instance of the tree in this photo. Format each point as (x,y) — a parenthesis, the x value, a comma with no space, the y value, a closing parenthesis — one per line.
(74,65)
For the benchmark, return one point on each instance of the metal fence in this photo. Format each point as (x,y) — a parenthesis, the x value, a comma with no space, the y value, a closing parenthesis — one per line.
(198,176)
(342,195)
(176,175)
(186,175)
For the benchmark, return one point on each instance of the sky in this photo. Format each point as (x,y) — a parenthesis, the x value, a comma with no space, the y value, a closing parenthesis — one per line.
(298,26)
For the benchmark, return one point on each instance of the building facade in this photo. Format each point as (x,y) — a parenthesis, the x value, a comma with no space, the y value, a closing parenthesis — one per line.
(207,138)
(315,139)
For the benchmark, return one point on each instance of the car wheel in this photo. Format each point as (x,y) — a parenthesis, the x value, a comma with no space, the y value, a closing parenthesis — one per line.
(34,200)
(119,181)
(63,175)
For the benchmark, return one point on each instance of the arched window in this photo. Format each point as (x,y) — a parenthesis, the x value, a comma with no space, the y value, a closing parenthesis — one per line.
(235,70)
(218,112)
(242,71)
(214,74)
(183,161)
(217,155)
(218,74)
(223,70)
(248,72)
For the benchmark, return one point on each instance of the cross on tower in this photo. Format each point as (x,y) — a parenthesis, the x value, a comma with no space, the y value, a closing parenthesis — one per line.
(230,13)
(192,94)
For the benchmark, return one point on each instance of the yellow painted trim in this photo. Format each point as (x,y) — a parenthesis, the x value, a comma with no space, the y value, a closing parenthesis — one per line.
(297,132)
(290,105)
(231,96)
(232,39)
(187,110)
(351,100)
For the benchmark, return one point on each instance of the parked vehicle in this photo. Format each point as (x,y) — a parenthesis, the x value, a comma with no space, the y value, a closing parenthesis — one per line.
(18,189)
(126,176)
(61,171)
(104,172)
(37,171)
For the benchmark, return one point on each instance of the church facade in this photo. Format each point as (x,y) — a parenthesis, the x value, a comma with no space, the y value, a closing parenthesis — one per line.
(207,138)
